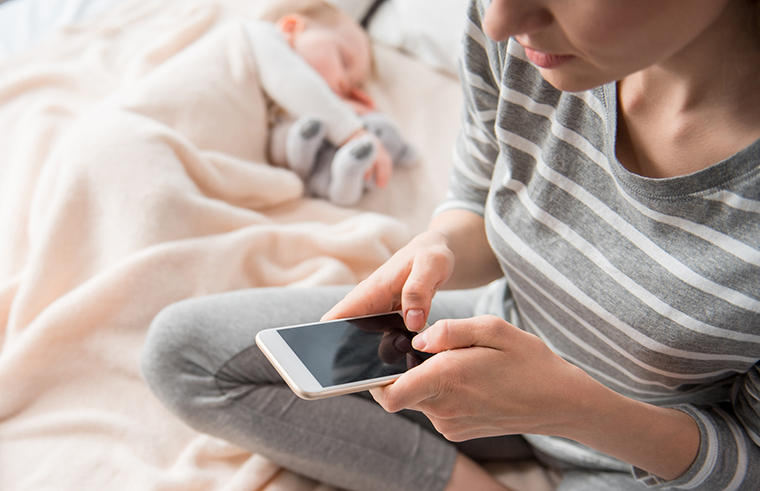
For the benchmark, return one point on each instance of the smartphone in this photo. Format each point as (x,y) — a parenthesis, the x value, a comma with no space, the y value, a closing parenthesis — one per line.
(331,358)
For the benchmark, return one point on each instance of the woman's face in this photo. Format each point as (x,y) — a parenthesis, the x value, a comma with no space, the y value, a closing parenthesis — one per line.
(339,53)
(581,44)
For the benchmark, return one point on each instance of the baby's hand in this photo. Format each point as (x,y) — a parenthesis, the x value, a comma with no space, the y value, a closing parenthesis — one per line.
(359,100)
(382,169)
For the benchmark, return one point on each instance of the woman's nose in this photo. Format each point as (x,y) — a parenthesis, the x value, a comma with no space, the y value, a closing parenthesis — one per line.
(507,18)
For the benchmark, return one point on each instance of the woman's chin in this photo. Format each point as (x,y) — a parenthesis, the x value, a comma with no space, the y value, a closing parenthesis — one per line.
(568,81)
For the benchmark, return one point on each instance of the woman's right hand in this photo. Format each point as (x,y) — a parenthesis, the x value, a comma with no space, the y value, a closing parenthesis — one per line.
(407,281)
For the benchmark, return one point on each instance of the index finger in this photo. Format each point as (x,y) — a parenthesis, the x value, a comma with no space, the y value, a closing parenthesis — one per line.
(371,296)
(428,273)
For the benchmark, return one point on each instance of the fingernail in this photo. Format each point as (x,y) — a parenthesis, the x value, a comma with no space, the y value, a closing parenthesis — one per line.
(420,341)
(415,319)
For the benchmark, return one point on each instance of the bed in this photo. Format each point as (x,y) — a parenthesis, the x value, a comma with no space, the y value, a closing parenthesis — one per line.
(98,234)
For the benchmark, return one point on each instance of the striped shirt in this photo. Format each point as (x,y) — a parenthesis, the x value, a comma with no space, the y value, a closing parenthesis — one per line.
(652,286)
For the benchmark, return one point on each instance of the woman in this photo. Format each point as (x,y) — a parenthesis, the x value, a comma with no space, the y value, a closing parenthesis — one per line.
(608,167)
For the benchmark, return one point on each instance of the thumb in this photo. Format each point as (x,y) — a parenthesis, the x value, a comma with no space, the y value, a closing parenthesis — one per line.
(484,331)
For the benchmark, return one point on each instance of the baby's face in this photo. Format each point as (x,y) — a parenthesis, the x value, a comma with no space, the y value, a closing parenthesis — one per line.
(339,53)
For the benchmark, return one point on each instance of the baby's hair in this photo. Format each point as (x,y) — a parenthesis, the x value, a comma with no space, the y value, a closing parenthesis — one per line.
(318,11)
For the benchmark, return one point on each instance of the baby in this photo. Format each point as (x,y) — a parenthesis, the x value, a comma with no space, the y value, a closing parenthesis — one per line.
(312,60)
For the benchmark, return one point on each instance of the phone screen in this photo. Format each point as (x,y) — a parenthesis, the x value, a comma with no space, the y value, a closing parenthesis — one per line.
(343,351)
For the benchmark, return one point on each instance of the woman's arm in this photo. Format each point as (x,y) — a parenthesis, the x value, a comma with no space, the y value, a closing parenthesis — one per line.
(465,234)
(661,441)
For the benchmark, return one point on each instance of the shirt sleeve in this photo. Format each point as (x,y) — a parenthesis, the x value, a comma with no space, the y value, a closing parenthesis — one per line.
(476,148)
(729,450)
(295,86)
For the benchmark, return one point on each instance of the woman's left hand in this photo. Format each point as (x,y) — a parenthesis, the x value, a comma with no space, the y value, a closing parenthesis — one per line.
(489,378)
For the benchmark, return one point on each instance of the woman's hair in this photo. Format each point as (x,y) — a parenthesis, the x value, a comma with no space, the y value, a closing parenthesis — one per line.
(754,5)
(316,10)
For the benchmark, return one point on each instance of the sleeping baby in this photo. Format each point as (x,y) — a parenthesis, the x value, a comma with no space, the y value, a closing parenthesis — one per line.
(312,61)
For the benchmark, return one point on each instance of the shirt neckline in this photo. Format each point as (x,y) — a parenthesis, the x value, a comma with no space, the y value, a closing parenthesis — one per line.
(704,181)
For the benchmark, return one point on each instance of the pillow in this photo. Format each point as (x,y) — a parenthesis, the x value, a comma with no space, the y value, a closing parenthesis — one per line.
(358,9)
(430,30)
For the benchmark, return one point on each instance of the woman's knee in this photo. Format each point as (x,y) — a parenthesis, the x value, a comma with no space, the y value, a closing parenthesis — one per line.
(175,361)
(200,349)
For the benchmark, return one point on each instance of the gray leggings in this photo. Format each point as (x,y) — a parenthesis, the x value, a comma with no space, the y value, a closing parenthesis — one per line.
(201,360)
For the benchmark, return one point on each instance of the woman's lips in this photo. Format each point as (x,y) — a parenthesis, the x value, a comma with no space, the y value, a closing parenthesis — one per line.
(545,60)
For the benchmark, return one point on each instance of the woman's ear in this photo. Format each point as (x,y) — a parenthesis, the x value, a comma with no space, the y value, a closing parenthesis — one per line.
(290,25)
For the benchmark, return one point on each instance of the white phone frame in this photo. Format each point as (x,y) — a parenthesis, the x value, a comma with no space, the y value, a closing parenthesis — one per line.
(297,375)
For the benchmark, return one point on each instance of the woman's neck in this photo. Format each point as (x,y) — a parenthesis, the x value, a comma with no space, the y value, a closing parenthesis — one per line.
(696,108)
